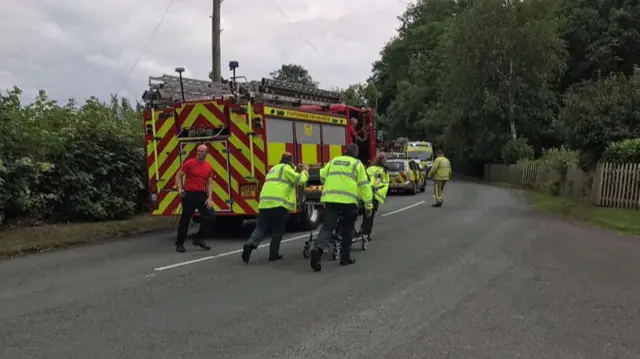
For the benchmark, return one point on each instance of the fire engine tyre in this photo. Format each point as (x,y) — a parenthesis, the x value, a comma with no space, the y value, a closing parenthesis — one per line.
(310,217)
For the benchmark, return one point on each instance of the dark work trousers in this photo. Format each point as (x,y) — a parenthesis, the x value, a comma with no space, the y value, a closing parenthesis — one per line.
(367,223)
(270,220)
(332,213)
(190,202)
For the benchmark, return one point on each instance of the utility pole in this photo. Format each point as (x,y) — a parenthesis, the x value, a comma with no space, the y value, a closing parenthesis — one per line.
(216,69)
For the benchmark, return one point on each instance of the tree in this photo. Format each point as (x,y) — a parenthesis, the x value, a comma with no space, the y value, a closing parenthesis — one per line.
(597,113)
(361,95)
(295,74)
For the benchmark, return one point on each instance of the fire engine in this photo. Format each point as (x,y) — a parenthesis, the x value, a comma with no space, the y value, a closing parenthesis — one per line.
(247,126)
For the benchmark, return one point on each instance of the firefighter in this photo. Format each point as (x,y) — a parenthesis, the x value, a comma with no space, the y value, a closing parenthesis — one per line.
(196,194)
(441,173)
(277,198)
(345,185)
(379,175)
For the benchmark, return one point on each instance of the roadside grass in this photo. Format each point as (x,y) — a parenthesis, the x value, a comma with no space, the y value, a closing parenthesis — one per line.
(20,241)
(620,220)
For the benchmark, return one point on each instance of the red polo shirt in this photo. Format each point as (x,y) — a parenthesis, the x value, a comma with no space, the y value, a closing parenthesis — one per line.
(196,174)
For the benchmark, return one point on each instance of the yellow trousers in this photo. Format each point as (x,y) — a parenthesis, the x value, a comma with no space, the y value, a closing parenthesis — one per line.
(438,191)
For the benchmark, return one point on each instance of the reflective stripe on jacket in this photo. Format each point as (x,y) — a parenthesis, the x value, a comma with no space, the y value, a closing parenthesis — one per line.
(280,187)
(345,181)
(441,169)
(379,192)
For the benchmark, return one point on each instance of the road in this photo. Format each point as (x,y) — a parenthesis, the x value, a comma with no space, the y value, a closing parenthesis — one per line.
(485,276)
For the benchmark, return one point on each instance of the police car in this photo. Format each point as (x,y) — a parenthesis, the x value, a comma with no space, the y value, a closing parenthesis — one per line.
(406,175)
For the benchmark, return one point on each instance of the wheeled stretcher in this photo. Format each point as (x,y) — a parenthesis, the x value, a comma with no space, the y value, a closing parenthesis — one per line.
(336,238)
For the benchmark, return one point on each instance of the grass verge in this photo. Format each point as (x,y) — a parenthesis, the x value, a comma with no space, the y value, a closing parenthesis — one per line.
(20,241)
(620,220)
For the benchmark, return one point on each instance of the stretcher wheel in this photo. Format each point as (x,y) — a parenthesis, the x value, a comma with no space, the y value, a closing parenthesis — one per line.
(305,251)
(336,253)
(364,242)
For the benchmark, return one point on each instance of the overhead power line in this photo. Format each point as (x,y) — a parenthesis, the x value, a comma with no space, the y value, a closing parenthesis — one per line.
(299,33)
(144,49)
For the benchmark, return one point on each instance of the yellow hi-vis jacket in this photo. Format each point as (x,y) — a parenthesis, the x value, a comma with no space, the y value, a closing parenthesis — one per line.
(379,192)
(280,187)
(441,169)
(345,181)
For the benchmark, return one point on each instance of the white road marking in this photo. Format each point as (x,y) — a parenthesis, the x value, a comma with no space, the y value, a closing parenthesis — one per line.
(402,209)
(226,254)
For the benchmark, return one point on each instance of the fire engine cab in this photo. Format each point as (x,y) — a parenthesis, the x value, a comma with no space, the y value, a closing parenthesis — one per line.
(247,127)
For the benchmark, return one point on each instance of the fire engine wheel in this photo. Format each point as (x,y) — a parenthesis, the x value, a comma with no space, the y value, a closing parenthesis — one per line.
(309,218)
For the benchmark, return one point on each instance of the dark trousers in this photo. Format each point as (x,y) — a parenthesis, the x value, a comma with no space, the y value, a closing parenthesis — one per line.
(190,202)
(367,222)
(270,220)
(332,213)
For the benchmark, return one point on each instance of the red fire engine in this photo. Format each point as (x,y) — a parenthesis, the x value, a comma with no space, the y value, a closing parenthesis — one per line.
(247,127)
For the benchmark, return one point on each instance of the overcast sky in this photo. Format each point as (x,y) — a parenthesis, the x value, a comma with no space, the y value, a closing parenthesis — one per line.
(79,48)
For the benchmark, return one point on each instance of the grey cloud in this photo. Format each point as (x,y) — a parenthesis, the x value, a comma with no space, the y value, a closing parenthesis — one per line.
(79,48)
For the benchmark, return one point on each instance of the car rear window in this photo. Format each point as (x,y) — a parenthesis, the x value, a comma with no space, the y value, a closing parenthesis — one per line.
(395,166)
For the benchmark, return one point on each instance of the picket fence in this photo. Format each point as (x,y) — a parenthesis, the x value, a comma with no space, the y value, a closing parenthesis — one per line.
(614,185)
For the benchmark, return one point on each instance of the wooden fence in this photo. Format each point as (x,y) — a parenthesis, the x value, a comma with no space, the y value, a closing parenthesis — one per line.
(609,185)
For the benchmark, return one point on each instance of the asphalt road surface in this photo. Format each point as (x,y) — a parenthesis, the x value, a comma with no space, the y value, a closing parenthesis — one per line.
(483,277)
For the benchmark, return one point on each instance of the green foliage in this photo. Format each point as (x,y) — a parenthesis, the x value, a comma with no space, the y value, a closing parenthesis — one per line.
(552,168)
(517,150)
(597,113)
(69,162)
(626,151)
(472,75)
(295,74)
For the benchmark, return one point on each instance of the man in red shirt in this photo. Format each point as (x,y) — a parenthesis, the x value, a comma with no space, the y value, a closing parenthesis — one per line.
(196,194)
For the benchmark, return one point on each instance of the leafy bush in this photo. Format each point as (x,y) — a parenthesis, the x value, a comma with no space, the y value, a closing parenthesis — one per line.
(627,151)
(597,113)
(517,150)
(552,168)
(68,162)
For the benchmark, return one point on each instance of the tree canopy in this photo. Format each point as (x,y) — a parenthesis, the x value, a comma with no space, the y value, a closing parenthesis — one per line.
(476,77)
(295,74)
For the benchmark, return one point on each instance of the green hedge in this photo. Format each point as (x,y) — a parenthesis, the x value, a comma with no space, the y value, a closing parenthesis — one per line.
(626,151)
(70,163)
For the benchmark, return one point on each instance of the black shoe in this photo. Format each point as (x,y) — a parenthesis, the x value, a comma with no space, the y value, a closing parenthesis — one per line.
(348,262)
(276,257)
(246,252)
(180,248)
(316,258)
(200,243)
(436,205)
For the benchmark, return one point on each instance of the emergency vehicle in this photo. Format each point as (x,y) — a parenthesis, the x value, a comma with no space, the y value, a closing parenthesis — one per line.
(421,151)
(247,127)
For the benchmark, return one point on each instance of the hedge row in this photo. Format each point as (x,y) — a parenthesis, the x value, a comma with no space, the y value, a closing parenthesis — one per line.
(69,162)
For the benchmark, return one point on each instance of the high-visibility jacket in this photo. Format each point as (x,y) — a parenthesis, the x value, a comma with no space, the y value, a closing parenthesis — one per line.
(345,181)
(280,187)
(380,191)
(441,169)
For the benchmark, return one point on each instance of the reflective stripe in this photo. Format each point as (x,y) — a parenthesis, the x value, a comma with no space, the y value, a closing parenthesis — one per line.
(298,179)
(340,193)
(279,178)
(363,183)
(279,200)
(378,196)
(354,176)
